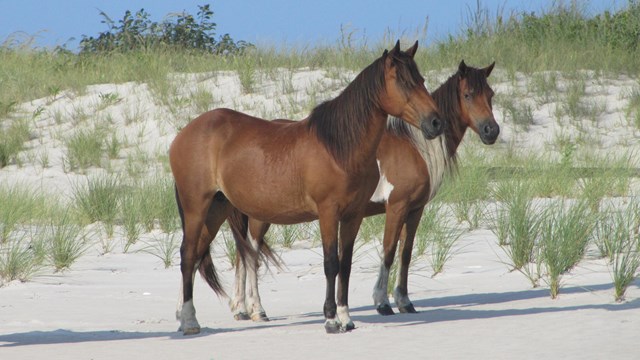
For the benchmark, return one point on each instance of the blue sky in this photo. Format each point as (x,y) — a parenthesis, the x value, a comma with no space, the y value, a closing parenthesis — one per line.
(269,22)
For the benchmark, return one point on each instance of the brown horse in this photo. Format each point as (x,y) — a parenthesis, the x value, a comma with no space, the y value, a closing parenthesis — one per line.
(411,171)
(321,167)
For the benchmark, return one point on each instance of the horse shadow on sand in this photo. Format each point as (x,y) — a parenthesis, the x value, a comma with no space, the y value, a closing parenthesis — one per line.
(64,336)
(430,310)
(459,307)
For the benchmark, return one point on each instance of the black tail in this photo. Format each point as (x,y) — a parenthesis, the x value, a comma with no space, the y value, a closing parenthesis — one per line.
(208,273)
(239,224)
(180,211)
(206,268)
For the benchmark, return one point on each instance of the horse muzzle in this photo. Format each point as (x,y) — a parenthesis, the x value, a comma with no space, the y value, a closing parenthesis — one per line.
(489,131)
(431,126)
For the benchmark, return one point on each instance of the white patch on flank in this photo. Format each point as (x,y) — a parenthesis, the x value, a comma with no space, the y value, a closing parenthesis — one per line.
(343,315)
(384,188)
(380,290)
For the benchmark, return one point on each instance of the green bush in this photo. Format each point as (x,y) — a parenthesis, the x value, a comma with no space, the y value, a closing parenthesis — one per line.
(180,31)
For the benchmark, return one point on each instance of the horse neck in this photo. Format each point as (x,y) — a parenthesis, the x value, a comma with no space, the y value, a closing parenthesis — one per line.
(352,124)
(447,98)
(366,151)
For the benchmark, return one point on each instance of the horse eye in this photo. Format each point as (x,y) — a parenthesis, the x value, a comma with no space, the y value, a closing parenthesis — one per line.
(467,96)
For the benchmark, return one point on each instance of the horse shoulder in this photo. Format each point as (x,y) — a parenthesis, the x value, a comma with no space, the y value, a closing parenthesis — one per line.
(403,167)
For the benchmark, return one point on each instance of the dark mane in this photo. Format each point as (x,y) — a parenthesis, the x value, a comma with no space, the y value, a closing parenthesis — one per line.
(341,123)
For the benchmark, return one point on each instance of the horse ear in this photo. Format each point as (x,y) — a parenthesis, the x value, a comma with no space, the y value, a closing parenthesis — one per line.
(412,50)
(488,69)
(462,68)
(396,49)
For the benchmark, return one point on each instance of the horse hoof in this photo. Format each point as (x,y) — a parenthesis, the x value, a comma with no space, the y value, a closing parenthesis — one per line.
(408,309)
(259,317)
(191,331)
(385,310)
(350,326)
(241,316)
(333,327)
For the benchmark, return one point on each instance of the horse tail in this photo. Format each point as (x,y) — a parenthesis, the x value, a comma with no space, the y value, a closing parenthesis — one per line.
(180,210)
(239,224)
(208,273)
(268,254)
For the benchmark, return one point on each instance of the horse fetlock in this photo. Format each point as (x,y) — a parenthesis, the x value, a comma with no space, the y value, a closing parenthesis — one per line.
(188,322)
(401,298)
(344,318)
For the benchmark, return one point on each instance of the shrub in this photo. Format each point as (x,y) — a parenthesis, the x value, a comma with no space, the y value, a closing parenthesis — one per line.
(181,31)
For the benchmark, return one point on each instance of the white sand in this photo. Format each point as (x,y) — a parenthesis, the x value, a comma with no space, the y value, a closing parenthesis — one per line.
(122,305)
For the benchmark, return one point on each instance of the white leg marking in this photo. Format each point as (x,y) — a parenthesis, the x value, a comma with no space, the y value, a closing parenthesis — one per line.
(380,296)
(343,316)
(189,323)
(384,188)
(252,276)
(238,303)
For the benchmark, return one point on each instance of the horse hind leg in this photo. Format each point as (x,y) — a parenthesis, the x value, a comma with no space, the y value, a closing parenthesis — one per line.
(195,254)
(256,234)
(249,237)
(401,293)
(238,304)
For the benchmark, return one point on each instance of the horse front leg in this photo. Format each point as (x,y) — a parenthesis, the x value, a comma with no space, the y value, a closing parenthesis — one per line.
(348,232)
(329,233)
(401,293)
(395,216)
(200,228)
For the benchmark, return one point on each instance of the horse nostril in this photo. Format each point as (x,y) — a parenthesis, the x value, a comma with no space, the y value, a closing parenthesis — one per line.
(436,123)
(486,129)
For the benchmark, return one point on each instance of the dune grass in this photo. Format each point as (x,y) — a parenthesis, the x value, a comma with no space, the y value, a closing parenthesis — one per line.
(65,240)
(86,148)
(12,140)
(18,261)
(565,232)
(163,246)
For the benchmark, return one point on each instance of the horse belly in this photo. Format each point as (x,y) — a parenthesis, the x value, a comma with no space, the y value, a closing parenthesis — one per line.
(267,194)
